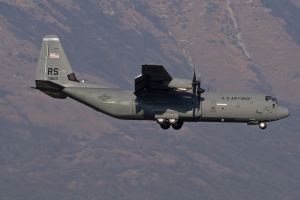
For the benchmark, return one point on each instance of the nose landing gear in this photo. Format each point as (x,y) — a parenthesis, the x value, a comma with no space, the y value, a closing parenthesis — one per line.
(262,125)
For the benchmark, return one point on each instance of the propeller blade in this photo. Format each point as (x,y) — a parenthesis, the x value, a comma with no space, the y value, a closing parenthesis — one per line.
(194,77)
(194,83)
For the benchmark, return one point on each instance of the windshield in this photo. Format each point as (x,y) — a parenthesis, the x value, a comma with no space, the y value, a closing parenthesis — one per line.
(269,98)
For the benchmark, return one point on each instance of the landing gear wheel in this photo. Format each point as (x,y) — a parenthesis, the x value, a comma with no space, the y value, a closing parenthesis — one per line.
(177,125)
(165,126)
(161,121)
(262,125)
(173,121)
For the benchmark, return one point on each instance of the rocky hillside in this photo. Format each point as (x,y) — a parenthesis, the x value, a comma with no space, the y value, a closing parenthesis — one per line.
(52,149)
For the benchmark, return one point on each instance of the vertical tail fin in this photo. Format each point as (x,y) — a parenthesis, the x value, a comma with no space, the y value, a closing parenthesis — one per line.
(53,70)
(53,65)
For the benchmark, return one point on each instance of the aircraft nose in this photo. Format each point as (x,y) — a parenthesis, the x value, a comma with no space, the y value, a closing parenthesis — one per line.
(283,112)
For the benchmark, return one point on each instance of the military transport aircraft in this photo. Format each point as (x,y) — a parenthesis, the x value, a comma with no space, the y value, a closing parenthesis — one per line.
(157,96)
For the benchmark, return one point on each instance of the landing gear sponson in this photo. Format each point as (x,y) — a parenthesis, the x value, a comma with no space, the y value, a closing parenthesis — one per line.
(177,124)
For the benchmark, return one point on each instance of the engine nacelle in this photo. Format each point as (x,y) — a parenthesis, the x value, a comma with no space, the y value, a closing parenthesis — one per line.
(181,84)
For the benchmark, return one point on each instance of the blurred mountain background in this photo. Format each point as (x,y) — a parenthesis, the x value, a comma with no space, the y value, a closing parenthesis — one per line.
(54,149)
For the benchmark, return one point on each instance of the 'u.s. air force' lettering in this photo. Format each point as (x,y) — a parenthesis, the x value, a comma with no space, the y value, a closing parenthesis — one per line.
(236,98)
(52,74)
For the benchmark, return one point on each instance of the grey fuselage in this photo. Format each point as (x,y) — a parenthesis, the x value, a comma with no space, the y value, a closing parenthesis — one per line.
(213,106)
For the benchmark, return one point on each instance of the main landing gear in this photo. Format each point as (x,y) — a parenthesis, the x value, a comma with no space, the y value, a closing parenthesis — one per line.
(167,123)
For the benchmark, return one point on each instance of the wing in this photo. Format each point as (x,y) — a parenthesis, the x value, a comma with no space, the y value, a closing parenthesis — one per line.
(153,77)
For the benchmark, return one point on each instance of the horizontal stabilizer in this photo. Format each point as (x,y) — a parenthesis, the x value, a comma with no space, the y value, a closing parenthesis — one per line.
(52,89)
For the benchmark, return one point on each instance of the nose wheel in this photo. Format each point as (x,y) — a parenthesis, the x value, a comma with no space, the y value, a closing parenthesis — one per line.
(262,125)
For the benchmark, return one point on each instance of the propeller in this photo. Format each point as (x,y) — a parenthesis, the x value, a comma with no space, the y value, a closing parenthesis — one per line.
(197,90)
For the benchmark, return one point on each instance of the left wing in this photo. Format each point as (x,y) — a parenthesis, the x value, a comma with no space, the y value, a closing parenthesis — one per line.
(153,77)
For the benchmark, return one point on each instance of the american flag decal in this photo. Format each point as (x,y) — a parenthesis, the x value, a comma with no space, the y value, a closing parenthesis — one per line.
(54,55)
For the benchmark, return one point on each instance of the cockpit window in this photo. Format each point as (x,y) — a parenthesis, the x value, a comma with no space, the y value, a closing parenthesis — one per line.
(269,98)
